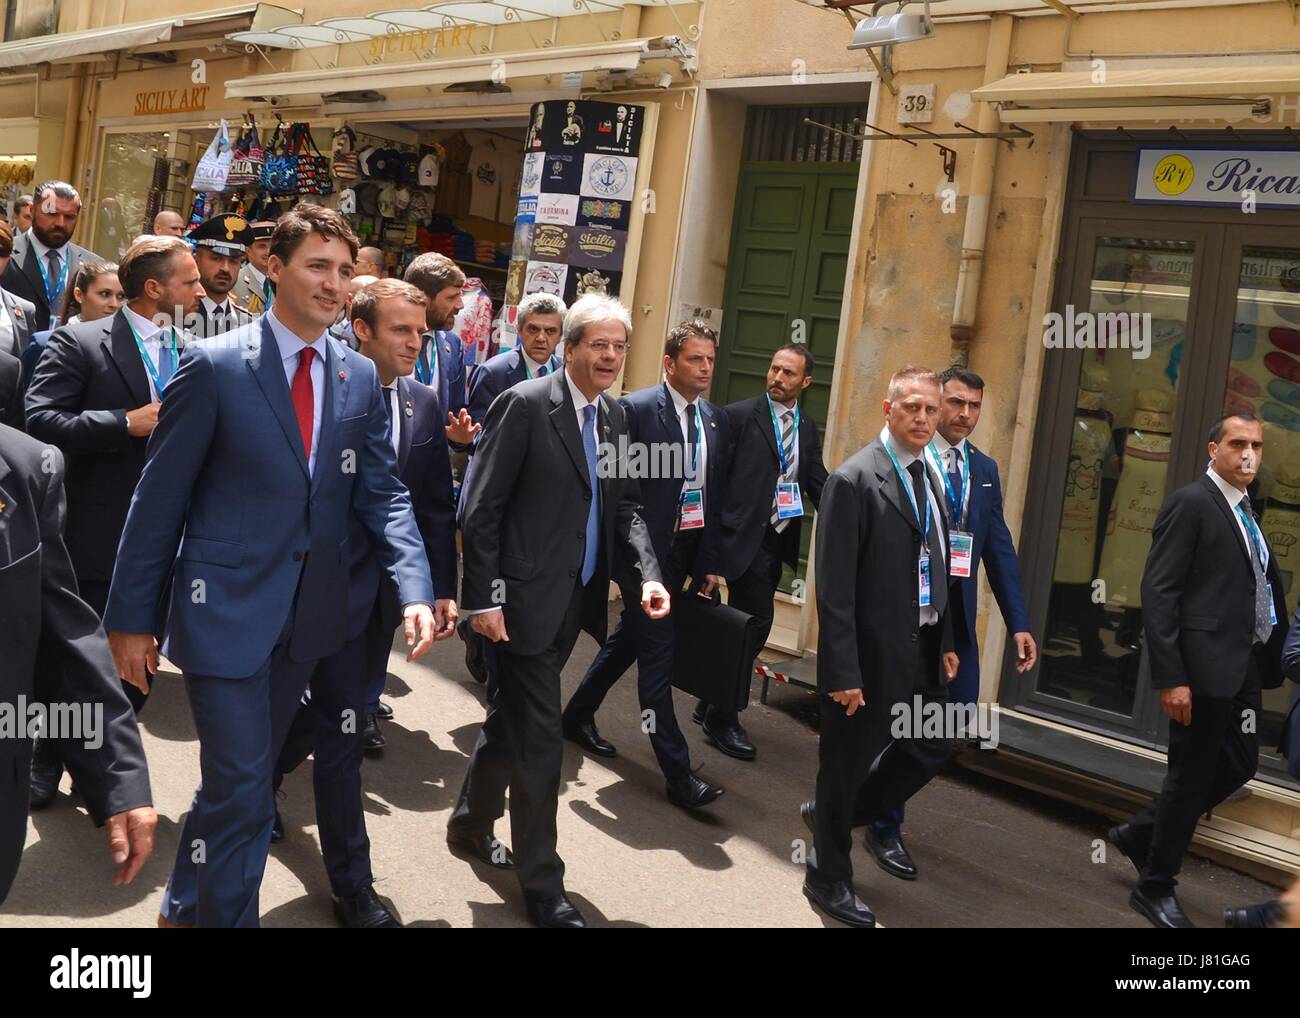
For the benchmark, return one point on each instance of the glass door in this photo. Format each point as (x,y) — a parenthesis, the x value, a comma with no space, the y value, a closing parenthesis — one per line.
(1122,332)
(1257,370)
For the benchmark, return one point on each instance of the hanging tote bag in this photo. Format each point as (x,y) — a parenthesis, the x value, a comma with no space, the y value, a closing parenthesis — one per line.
(246,167)
(313,167)
(214,166)
(280,171)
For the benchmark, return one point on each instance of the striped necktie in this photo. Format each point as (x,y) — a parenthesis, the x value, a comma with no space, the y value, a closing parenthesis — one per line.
(790,474)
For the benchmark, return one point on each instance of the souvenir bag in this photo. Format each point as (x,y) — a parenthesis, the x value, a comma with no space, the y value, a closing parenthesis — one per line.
(280,171)
(246,167)
(214,166)
(313,167)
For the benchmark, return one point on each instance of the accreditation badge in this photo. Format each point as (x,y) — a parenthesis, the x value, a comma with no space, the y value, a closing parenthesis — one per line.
(1272,606)
(924,573)
(789,503)
(692,509)
(961,545)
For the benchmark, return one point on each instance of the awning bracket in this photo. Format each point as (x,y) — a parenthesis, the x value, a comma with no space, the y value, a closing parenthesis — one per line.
(1006,136)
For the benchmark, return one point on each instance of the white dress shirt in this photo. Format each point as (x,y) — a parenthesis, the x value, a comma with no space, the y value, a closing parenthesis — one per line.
(151,336)
(1234,497)
(782,412)
(580,403)
(702,462)
(952,457)
(213,308)
(290,349)
(928,615)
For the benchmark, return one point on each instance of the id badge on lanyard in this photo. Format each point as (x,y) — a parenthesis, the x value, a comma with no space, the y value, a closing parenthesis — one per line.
(924,573)
(692,509)
(961,545)
(789,503)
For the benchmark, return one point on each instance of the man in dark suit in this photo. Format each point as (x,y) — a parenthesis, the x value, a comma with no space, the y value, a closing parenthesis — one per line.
(544,529)
(219,246)
(774,471)
(675,426)
(39,606)
(95,394)
(973,504)
(388,318)
(44,258)
(16,314)
(1215,621)
(270,440)
(539,321)
(11,390)
(885,642)
(442,357)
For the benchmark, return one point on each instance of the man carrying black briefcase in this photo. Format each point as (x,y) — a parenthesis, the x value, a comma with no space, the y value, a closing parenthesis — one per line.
(668,424)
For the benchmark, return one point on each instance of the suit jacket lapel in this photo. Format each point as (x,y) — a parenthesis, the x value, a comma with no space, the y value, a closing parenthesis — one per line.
(405,425)
(668,416)
(764,415)
(338,376)
(889,482)
(119,343)
(1216,496)
(564,420)
(32,271)
(268,368)
(709,422)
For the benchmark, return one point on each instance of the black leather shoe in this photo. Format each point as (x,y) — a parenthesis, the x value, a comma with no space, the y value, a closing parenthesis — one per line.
(809,813)
(372,739)
(1254,917)
(364,911)
(277,829)
(701,709)
(692,792)
(890,855)
(475,659)
(730,738)
(557,913)
(838,901)
(47,772)
(586,736)
(1123,838)
(384,711)
(483,847)
(1163,911)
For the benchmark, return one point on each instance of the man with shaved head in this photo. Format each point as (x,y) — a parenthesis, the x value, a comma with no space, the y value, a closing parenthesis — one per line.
(370,262)
(342,329)
(168,224)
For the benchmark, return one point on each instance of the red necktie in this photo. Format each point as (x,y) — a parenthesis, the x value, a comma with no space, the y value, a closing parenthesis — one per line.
(304,400)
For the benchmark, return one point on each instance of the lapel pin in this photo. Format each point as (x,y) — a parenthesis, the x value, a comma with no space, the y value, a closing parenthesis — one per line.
(342,376)
(410,409)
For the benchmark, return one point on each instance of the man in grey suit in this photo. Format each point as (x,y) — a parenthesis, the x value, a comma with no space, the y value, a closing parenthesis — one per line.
(44,258)
(544,529)
(39,604)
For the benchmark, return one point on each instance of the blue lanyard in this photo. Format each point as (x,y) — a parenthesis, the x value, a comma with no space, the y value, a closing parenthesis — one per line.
(911,497)
(426,372)
(963,471)
(148,361)
(63,277)
(699,440)
(1256,538)
(776,426)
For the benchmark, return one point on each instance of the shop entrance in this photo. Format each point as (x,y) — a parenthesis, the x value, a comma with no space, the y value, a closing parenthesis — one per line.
(1120,427)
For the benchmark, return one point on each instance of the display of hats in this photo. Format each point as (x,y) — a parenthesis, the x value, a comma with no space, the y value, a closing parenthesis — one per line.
(365,160)
(421,206)
(226,235)
(386,164)
(347,166)
(347,201)
(368,199)
(345,141)
(387,201)
(402,199)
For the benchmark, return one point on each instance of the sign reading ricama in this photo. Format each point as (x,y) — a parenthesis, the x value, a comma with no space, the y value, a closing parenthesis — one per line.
(1263,177)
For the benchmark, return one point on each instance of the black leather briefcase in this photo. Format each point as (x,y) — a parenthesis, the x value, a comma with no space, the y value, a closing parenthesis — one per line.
(714,650)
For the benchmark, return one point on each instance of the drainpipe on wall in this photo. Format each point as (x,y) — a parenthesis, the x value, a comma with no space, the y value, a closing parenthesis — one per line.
(975,235)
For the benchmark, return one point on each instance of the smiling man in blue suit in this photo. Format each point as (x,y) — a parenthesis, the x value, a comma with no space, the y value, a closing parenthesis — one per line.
(973,504)
(269,440)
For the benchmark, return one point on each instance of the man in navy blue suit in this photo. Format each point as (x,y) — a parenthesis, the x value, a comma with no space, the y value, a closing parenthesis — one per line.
(388,319)
(682,507)
(540,319)
(973,506)
(236,549)
(441,363)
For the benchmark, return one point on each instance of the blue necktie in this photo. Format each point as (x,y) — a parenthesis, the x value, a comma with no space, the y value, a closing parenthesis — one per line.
(592,548)
(954,478)
(166,360)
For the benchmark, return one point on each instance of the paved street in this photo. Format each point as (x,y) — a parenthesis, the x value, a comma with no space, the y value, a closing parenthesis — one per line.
(989,854)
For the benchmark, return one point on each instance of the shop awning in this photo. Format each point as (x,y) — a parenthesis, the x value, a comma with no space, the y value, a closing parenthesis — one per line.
(622,54)
(1225,92)
(444,14)
(94,43)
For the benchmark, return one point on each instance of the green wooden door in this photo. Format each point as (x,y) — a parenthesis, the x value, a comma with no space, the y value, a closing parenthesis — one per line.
(785,279)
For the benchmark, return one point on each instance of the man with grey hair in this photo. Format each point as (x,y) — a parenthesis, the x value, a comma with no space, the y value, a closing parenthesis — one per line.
(44,257)
(544,531)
